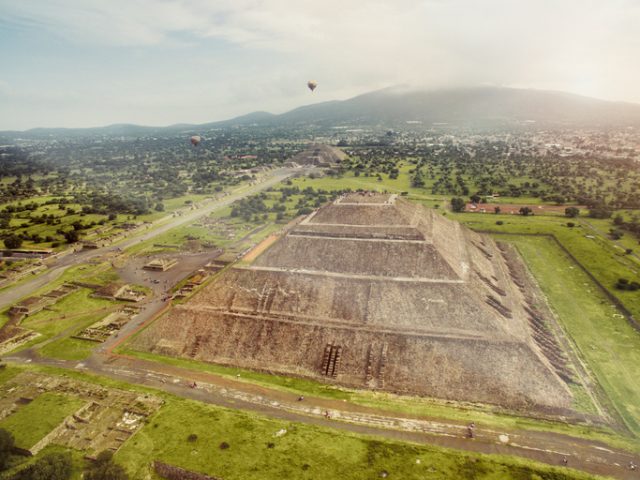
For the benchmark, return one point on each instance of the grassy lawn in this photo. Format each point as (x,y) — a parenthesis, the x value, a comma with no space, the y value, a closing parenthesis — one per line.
(397,404)
(224,233)
(75,303)
(608,343)
(398,185)
(100,274)
(257,451)
(77,313)
(303,451)
(596,253)
(68,349)
(35,420)
(8,372)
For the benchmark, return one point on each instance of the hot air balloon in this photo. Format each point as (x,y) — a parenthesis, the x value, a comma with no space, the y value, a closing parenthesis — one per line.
(312,84)
(195,140)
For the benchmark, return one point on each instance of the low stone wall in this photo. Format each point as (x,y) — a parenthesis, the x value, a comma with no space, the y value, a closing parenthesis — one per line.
(171,472)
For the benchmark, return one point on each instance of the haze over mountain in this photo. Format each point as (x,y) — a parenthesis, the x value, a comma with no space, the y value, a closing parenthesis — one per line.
(480,107)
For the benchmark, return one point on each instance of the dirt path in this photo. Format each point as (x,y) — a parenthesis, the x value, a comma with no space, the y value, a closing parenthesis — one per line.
(550,448)
(261,247)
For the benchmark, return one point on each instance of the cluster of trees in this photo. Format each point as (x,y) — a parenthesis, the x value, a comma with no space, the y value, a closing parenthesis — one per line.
(632,226)
(252,207)
(491,166)
(130,174)
(600,210)
(104,468)
(56,465)
(53,466)
(106,203)
(571,212)
(458,204)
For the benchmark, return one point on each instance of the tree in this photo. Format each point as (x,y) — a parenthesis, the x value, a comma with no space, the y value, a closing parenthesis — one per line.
(104,468)
(6,446)
(159,207)
(13,241)
(71,236)
(571,212)
(497,210)
(458,204)
(475,198)
(615,233)
(600,211)
(618,220)
(417,181)
(525,211)
(54,466)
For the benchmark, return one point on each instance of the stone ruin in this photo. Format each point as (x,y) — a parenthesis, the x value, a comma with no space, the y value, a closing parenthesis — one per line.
(372,291)
(108,418)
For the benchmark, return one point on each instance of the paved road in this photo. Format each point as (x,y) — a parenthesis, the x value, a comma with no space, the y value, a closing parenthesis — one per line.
(11,295)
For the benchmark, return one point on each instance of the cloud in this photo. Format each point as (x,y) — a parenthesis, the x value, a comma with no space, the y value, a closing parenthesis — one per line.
(241,55)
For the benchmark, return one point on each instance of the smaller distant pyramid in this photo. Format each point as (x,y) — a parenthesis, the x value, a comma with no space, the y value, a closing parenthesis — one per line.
(320,156)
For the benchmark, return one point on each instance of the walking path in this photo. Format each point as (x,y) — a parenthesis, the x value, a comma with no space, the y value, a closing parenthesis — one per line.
(547,447)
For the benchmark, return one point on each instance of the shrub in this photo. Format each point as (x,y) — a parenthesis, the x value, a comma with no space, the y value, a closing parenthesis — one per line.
(13,241)
(625,284)
(572,212)
(458,204)
(6,446)
(615,233)
(192,437)
(499,222)
(54,466)
(525,211)
(105,468)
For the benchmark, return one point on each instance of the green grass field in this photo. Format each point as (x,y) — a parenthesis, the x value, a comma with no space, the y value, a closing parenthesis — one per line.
(33,421)
(222,230)
(399,404)
(68,316)
(596,253)
(68,349)
(303,451)
(604,338)
(257,451)
(398,185)
(21,221)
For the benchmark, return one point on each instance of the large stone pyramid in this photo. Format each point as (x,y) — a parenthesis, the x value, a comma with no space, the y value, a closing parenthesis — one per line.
(373,291)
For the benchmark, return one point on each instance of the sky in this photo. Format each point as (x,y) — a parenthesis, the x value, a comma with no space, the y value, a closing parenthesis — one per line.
(81,63)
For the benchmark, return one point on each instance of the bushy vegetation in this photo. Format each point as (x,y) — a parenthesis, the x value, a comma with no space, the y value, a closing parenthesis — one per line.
(104,468)
(6,448)
(53,466)
(52,192)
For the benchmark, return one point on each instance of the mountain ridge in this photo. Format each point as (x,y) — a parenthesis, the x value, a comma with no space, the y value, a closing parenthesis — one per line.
(471,106)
